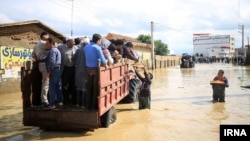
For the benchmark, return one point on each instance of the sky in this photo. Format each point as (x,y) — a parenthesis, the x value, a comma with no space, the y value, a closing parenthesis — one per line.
(174,21)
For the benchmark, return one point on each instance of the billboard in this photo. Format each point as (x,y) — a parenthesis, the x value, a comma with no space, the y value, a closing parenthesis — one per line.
(12,59)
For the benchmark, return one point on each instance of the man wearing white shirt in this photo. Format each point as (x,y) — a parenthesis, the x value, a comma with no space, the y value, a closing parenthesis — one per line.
(39,54)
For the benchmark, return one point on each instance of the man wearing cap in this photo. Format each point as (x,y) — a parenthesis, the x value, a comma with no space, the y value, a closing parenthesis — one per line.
(68,71)
(93,54)
(39,55)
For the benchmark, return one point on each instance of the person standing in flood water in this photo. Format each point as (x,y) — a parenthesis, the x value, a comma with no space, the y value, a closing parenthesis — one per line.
(219,89)
(145,89)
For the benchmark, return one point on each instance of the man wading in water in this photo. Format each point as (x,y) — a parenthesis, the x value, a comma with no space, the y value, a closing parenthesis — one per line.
(145,90)
(219,87)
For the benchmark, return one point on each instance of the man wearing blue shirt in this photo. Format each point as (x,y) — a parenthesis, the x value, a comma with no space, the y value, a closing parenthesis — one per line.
(93,54)
(53,67)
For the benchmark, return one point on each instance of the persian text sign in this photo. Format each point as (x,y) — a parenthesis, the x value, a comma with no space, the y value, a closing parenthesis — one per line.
(13,58)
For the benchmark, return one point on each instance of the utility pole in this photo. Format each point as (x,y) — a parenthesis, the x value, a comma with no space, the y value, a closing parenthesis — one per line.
(242,36)
(152,46)
(243,46)
(248,45)
(247,62)
(72,9)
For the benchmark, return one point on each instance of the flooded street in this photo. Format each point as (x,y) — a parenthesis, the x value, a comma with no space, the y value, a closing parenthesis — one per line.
(181,109)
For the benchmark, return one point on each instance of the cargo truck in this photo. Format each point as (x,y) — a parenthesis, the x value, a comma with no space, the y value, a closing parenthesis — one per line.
(113,87)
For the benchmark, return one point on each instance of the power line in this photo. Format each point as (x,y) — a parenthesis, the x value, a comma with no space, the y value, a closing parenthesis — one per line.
(85,11)
(71,5)
(174,29)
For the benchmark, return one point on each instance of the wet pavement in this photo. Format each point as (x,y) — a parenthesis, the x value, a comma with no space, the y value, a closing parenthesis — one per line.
(181,109)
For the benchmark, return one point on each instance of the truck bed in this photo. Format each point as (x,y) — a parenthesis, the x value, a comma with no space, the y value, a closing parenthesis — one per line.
(113,87)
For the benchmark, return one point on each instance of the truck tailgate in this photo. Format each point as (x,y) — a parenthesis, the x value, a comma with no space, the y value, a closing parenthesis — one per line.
(60,119)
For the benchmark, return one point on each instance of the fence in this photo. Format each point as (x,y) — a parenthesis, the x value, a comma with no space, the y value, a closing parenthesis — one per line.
(162,62)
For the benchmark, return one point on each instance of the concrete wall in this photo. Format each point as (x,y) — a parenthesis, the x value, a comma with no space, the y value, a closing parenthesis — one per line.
(162,62)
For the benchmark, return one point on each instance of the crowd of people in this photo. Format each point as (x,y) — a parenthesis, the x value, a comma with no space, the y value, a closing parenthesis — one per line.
(70,70)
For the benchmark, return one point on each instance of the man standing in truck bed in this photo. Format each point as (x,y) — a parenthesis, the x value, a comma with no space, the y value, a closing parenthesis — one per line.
(39,55)
(93,54)
(68,71)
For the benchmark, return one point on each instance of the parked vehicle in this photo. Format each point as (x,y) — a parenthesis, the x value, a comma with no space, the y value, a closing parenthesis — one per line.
(187,61)
(113,86)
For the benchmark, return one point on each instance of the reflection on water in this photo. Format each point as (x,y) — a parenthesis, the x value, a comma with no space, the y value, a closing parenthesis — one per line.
(182,108)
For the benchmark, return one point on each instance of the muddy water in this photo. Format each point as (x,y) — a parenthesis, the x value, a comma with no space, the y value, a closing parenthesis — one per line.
(181,110)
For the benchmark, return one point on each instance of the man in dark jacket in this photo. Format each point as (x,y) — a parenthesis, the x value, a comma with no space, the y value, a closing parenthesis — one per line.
(145,90)
(129,53)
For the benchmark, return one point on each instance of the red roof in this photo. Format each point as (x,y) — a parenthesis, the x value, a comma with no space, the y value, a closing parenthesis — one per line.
(224,47)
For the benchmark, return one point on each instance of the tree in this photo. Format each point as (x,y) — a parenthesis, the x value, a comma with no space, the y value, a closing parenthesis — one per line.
(144,38)
(184,54)
(160,47)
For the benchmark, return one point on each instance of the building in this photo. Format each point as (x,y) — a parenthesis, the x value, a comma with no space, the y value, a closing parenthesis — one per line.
(17,41)
(26,34)
(208,45)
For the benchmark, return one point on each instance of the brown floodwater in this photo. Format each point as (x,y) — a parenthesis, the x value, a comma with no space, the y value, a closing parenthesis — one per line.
(181,110)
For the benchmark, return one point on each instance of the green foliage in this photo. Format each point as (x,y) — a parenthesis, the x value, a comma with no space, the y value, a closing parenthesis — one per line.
(184,54)
(144,38)
(160,47)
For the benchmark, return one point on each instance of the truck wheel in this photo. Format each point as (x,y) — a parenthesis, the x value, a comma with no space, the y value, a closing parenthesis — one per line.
(105,119)
(108,118)
(113,115)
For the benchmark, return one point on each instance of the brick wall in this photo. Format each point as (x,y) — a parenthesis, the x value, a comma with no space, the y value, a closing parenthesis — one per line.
(23,36)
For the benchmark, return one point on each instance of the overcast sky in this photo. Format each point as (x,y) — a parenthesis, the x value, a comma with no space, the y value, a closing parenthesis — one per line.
(175,21)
